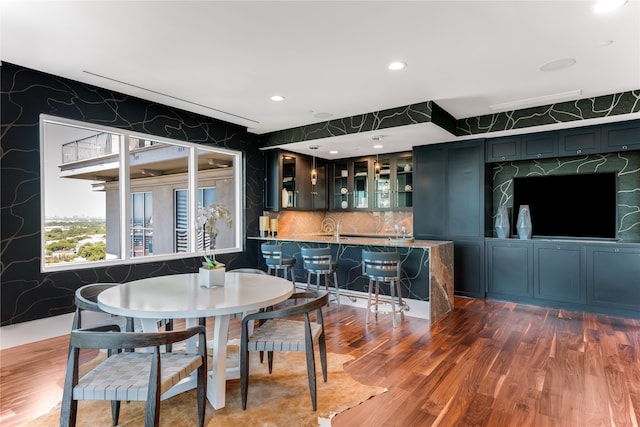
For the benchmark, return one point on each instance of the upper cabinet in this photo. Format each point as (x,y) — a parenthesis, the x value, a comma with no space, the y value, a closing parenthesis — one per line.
(384,182)
(621,136)
(290,183)
(579,141)
(614,137)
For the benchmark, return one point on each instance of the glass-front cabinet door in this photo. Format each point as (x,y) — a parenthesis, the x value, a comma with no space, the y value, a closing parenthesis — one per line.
(404,181)
(341,188)
(361,184)
(382,183)
(289,199)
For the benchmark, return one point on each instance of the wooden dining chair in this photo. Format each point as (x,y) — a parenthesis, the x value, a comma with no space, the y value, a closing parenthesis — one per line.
(86,298)
(279,332)
(131,375)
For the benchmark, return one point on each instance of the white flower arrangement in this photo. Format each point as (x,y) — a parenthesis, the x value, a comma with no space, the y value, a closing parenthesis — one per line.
(206,221)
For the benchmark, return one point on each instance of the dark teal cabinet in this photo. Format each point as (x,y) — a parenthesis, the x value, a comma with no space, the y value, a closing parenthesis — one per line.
(623,136)
(560,272)
(503,149)
(579,141)
(613,277)
(449,201)
(430,192)
(468,264)
(509,268)
(540,145)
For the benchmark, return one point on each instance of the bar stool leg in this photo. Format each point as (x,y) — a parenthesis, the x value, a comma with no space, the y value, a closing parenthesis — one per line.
(335,284)
(399,288)
(369,301)
(393,301)
(293,277)
(377,298)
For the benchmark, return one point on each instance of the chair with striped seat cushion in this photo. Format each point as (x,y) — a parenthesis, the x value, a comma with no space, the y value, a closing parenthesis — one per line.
(281,331)
(141,376)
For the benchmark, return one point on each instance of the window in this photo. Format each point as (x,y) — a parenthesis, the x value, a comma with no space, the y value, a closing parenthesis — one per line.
(140,228)
(93,177)
(206,197)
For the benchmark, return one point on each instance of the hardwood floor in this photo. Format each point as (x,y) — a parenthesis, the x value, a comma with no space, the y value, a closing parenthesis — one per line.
(488,363)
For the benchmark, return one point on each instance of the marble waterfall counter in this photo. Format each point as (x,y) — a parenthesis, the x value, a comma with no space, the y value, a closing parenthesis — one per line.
(427,268)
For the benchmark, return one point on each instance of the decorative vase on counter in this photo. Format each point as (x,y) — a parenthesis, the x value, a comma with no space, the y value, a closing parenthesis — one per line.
(502,222)
(211,277)
(524,223)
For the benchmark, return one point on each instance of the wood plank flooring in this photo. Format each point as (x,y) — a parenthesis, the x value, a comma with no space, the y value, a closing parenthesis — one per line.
(488,363)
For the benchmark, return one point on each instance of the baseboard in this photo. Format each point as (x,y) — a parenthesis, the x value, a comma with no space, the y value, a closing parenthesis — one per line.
(42,329)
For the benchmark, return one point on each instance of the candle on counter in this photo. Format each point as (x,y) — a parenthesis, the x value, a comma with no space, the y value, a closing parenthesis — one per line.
(264,226)
(274,227)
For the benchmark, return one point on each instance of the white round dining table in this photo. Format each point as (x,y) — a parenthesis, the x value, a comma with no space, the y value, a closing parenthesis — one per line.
(181,297)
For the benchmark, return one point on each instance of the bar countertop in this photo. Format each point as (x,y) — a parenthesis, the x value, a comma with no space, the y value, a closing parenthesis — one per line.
(355,239)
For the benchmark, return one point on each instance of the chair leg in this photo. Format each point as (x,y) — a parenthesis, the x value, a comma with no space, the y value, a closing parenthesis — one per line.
(115,411)
(270,360)
(322,346)
(308,280)
(244,372)
(311,373)
(202,393)
(335,284)
(369,301)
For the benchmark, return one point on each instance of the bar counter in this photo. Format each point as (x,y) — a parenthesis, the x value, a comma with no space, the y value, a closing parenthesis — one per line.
(427,267)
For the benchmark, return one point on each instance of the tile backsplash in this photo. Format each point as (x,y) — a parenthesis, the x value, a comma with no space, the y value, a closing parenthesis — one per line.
(303,222)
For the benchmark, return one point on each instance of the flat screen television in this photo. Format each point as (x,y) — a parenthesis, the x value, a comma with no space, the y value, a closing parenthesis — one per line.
(573,206)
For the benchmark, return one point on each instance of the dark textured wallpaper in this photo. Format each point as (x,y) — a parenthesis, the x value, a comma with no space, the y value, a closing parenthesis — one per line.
(26,293)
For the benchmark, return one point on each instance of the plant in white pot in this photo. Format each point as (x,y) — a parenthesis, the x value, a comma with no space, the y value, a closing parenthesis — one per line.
(212,271)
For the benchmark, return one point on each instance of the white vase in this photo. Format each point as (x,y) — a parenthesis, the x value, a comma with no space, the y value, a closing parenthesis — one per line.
(524,223)
(502,222)
(211,278)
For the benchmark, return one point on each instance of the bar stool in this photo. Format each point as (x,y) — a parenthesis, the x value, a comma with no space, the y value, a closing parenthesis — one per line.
(318,261)
(272,254)
(383,267)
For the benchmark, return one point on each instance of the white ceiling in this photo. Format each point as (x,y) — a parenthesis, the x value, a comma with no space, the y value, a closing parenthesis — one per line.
(226,59)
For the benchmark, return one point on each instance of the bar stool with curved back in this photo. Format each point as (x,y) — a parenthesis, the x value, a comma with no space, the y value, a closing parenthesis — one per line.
(383,267)
(318,261)
(272,254)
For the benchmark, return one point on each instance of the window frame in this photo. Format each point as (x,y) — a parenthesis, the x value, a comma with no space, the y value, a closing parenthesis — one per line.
(124,195)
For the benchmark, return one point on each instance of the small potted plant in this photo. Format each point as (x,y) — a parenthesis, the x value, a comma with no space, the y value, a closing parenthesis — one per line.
(211,272)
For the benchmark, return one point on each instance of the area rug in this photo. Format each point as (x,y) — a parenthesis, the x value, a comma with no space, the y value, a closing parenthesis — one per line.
(279,399)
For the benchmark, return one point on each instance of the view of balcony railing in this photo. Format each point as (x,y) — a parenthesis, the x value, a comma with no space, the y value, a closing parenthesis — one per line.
(101,144)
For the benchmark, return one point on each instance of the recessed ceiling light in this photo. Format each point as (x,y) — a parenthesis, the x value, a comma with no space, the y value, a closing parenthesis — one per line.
(395,66)
(377,146)
(604,6)
(277,98)
(322,115)
(558,64)
(333,152)
(604,43)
